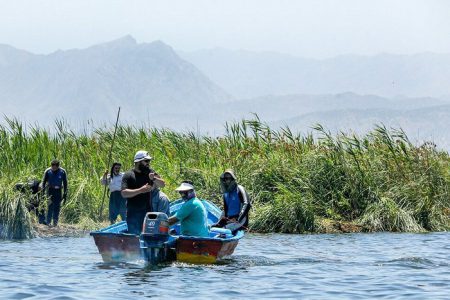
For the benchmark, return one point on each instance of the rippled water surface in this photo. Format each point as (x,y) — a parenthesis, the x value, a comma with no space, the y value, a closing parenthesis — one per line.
(346,266)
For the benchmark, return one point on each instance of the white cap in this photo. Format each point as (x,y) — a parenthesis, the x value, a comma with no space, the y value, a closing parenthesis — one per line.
(141,155)
(184,187)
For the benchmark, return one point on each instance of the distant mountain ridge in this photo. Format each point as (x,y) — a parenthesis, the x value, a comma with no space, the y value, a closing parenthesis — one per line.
(247,74)
(93,82)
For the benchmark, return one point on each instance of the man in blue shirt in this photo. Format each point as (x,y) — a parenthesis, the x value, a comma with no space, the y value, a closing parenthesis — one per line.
(55,179)
(192,215)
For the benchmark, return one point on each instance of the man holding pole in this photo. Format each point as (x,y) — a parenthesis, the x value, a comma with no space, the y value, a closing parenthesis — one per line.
(137,185)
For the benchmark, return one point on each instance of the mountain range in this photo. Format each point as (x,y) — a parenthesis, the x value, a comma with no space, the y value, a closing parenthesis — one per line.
(158,86)
(248,74)
(93,82)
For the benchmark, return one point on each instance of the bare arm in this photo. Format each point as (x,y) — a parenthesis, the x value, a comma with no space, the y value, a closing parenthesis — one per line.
(105,179)
(159,182)
(129,193)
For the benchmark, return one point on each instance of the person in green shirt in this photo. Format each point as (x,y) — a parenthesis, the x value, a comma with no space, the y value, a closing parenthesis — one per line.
(192,214)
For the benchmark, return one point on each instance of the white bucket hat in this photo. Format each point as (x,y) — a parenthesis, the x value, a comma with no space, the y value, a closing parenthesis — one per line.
(184,187)
(141,155)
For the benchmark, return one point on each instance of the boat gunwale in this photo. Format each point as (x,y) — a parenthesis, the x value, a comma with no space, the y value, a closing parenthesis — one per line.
(236,237)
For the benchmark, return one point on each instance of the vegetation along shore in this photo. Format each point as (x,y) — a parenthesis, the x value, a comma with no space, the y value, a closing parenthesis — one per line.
(317,182)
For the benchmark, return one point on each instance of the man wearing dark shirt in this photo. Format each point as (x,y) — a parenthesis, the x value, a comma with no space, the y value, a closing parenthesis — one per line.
(136,187)
(55,178)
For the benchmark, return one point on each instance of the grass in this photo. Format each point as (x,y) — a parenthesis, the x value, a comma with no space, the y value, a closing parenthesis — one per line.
(380,180)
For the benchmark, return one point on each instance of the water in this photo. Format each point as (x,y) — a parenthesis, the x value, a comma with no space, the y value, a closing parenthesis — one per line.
(345,266)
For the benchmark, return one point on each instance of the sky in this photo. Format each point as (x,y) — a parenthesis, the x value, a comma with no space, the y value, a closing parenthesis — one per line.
(316,28)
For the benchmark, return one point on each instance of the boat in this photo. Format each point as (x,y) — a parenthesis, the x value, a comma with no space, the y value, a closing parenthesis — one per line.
(116,245)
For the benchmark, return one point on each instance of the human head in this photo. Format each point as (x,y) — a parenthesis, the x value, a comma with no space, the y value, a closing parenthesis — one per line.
(115,168)
(54,164)
(186,190)
(228,180)
(142,161)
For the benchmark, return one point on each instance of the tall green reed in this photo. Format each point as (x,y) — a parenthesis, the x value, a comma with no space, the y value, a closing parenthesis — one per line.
(294,180)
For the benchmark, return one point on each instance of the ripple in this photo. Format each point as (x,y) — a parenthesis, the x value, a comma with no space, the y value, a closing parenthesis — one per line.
(410,262)
(21,296)
(356,266)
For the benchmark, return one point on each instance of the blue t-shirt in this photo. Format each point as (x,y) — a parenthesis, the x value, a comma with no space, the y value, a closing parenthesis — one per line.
(193,218)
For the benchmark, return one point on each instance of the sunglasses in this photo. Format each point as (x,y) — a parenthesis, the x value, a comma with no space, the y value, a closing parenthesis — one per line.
(228,178)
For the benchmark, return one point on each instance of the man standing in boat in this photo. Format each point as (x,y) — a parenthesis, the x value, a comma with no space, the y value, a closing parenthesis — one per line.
(137,185)
(192,214)
(236,203)
(55,179)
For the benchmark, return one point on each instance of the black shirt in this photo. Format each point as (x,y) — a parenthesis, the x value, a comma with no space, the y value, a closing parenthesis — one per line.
(134,180)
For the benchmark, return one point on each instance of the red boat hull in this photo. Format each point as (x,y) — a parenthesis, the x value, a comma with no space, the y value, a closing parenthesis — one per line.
(191,250)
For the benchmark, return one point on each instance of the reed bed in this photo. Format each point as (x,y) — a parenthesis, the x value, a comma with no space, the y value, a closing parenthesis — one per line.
(380,180)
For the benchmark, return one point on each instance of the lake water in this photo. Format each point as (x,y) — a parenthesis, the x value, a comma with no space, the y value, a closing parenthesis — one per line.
(343,266)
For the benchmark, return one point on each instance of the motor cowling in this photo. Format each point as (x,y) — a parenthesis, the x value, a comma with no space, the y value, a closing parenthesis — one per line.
(155,234)
(155,224)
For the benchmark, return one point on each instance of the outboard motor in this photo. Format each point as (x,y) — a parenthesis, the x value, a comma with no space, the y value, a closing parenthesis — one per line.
(155,234)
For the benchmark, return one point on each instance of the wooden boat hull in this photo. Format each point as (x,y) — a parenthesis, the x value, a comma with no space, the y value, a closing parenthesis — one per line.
(203,250)
(118,247)
(115,245)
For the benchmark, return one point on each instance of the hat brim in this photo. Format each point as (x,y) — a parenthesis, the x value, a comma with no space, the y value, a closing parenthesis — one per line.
(148,157)
(184,188)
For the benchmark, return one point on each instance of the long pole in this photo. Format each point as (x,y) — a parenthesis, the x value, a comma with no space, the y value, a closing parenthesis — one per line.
(109,162)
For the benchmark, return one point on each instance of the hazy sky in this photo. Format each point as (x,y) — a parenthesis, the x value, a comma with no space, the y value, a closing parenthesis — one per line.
(313,28)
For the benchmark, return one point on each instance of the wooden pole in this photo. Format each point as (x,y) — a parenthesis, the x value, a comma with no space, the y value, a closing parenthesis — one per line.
(109,163)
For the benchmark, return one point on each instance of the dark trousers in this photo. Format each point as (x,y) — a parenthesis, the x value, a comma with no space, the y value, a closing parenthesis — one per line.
(135,219)
(40,214)
(117,206)
(35,206)
(54,205)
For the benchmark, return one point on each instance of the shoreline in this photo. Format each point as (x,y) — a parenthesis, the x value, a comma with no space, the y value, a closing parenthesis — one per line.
(74,230)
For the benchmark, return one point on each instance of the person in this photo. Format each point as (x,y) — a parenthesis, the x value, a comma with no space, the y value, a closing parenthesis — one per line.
(159,201)
(34,203)
(236,203)
(192,214)
(55,179)
(117,204)
(137,185)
